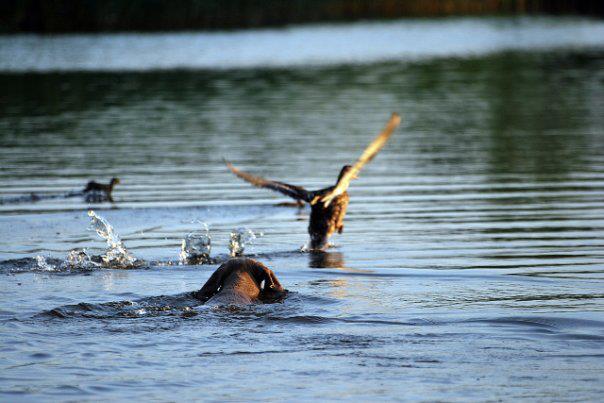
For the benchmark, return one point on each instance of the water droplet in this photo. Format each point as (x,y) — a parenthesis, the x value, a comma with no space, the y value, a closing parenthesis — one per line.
(79,259)
(239,239)
(196,247)
(43,264)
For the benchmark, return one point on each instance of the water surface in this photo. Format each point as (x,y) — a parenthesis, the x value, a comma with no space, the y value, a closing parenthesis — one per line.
(471,266)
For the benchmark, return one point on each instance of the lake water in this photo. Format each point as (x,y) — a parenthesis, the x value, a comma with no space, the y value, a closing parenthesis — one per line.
(471,266)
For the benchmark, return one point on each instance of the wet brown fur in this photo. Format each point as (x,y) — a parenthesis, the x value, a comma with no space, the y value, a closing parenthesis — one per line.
(242,281)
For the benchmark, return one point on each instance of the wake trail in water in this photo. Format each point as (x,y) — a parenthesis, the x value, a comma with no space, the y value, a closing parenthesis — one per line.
(36,197)
(176,305)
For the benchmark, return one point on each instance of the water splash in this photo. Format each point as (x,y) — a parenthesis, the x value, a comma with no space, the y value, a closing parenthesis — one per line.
(42,264)
(79,259)
(116,256)
(196,247)
(307,249)
(239,239)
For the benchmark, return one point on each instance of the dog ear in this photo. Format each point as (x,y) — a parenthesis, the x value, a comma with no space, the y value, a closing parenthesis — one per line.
(214,283)
(273,281)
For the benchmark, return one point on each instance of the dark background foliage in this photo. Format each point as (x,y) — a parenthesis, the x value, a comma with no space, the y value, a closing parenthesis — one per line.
(51,16)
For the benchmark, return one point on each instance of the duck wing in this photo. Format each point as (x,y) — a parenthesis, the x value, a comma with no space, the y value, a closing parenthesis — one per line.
(370,151)
(295,192)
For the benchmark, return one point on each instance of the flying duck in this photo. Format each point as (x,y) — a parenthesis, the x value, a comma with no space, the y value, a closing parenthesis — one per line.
(328,205)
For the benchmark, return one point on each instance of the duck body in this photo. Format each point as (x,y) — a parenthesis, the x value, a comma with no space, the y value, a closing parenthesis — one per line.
(93,186)
(241,281)
(96,192)
(325,220)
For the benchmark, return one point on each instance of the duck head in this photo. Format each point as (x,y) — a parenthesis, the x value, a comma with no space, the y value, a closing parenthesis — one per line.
(344,172)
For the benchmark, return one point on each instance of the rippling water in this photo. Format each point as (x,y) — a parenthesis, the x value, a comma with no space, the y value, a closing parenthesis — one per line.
(471,266)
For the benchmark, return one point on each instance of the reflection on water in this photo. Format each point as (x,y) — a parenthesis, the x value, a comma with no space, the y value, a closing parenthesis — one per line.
(471,256)
(322,260)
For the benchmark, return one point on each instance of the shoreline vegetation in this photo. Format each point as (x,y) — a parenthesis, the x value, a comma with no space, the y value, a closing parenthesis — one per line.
(62,16)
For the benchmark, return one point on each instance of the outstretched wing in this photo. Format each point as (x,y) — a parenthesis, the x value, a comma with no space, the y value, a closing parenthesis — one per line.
(372,149)
(295,192)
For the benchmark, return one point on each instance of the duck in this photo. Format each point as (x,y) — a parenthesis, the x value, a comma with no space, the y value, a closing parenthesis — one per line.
(241,281)
(328,205)
(93,189)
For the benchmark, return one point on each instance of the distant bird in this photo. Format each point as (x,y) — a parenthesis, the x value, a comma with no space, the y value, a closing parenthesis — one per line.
(95,191)
(328,205)
(241,281)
